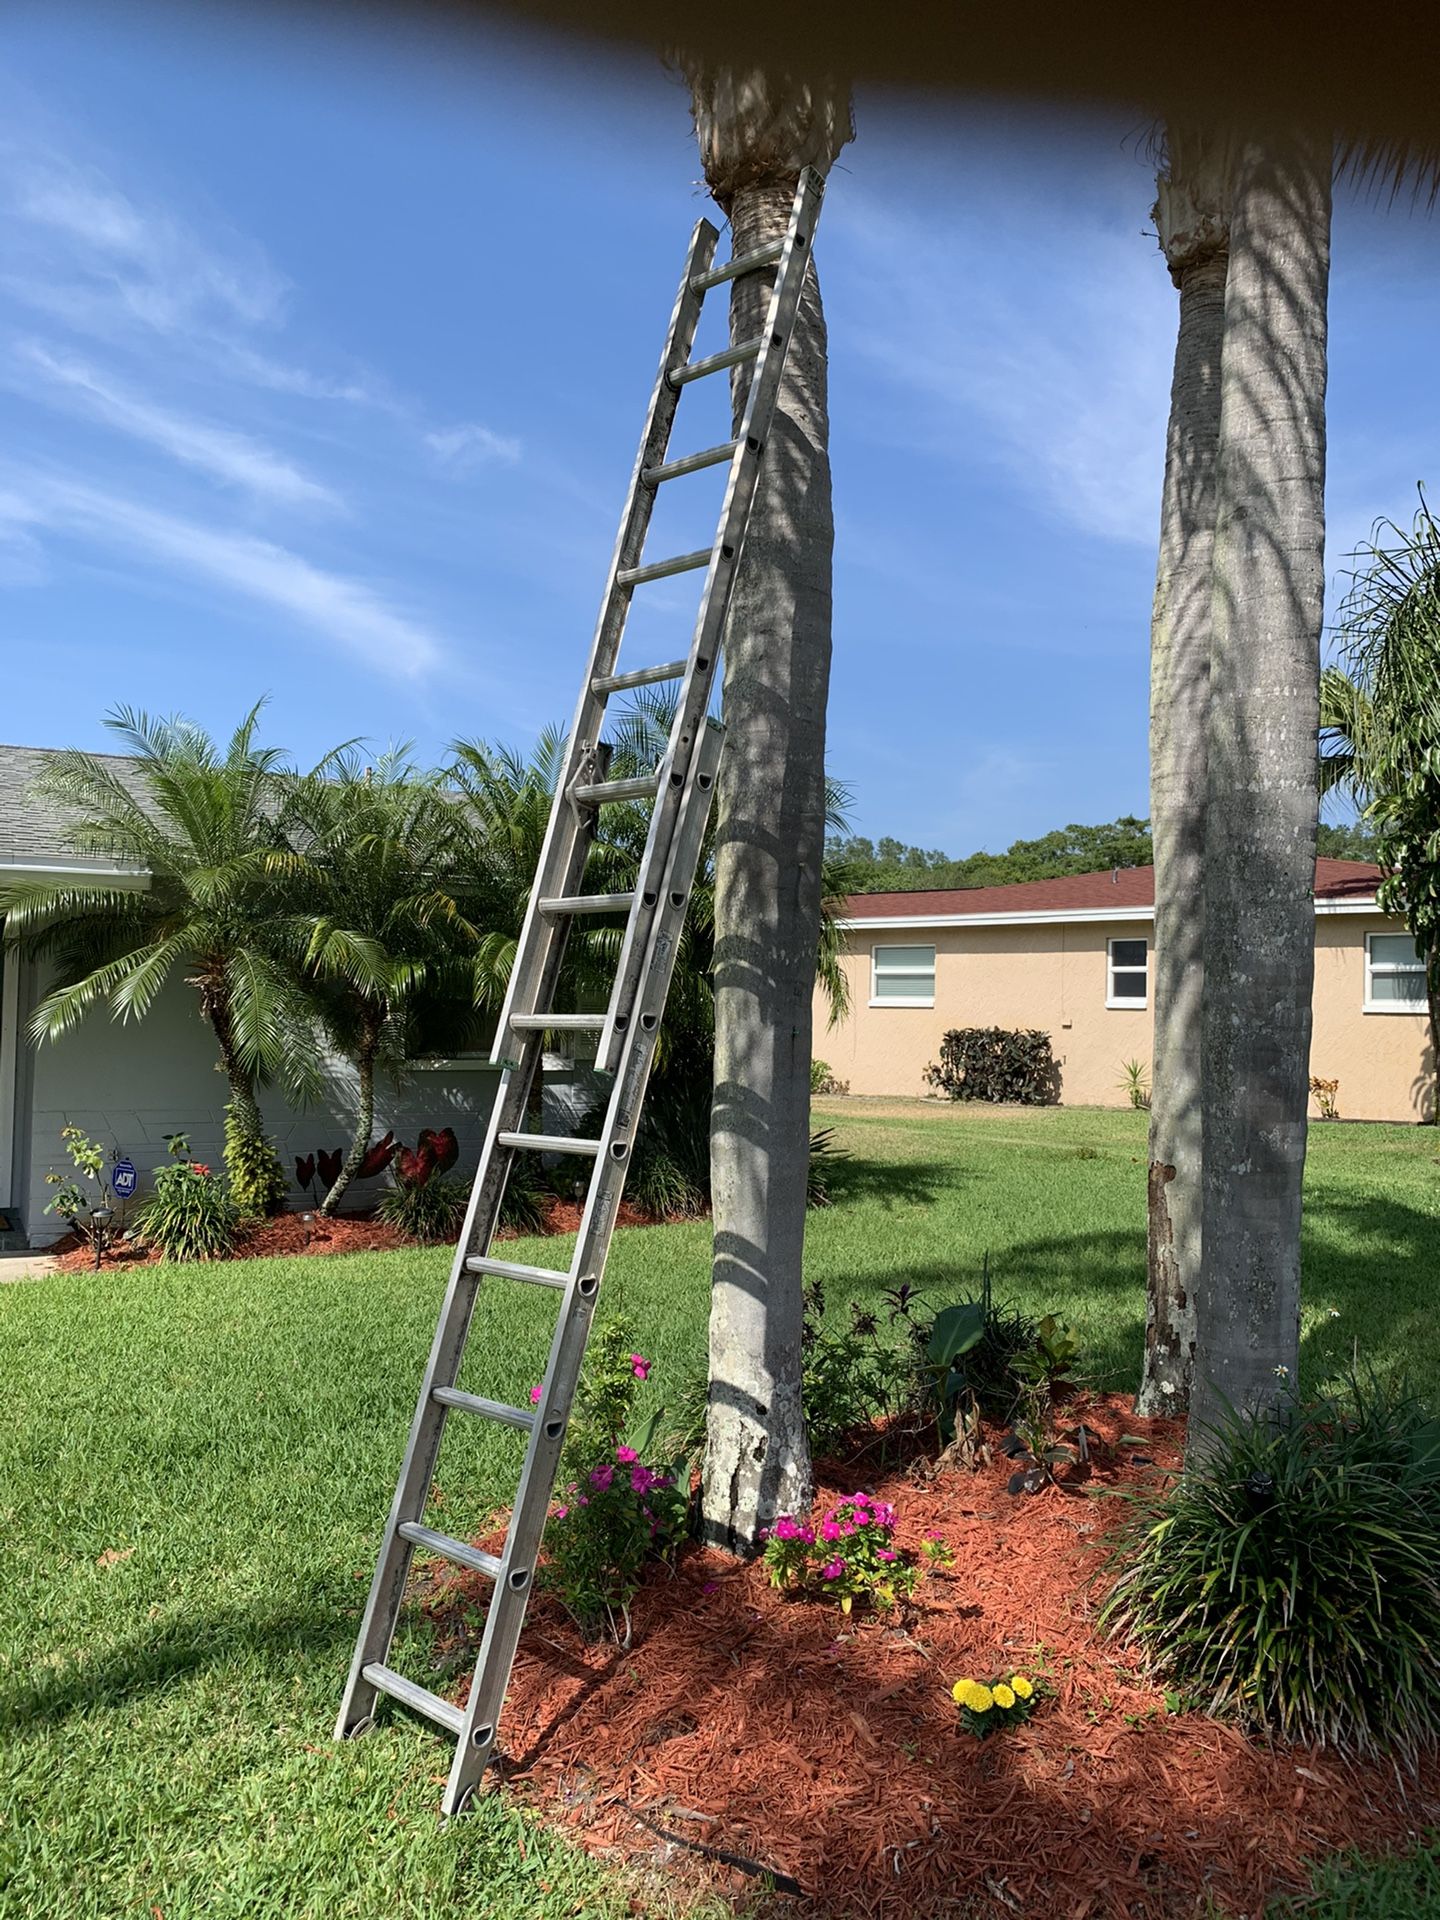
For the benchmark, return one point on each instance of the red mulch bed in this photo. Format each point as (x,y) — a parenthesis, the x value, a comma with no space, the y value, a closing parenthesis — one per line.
(351,1233)
(827,1751)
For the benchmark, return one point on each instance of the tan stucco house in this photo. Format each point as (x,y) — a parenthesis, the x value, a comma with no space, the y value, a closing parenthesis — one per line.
(1073,957)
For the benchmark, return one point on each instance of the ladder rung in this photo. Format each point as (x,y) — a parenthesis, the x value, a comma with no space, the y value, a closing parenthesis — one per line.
(558,1022)
(743,263)
(459,1551)
(714,363)
(512,1270)
(662,569)
(460,1402)
(643,788)
(420,1699)
(589,903)
(691,463)
(642,677)
(550,1143)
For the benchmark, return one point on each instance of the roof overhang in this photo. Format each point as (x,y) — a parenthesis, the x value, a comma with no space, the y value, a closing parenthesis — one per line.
(48,873)
(1068,916)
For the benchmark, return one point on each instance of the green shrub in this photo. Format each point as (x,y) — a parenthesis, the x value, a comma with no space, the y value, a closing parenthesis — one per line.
(430,1210)
(824,1155)
(658,1183)
(257,1180)
(850,1379)
(822,1080)
(527,1196)
(992,1063)
(616,1511)
(1292,1578)
(190,1215)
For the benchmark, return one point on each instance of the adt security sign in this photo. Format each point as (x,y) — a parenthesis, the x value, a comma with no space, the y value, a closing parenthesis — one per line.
(122,1179)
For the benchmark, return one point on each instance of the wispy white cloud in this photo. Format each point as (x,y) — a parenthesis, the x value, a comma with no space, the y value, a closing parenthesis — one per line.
(78,247)
(236,459)
(1039,338)
(463,449)
(349,613)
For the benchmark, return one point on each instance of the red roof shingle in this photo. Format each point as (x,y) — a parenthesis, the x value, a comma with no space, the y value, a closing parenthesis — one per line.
(1125,887)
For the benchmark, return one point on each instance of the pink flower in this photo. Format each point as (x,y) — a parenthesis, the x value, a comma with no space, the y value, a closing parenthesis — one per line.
(536,1394)
(786,1529)
(829,1529)
(627,1456)
(833,1570)
(583,1501)
(807,1535)
(560,1512)
(641,1479)
(934,1535)
(602,1476)
(639,1366)
(887,1553)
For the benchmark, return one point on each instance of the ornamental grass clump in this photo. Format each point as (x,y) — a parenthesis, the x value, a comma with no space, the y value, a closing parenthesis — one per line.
(850,1555)
(987,1707)
(1292,1579)
(190,1215)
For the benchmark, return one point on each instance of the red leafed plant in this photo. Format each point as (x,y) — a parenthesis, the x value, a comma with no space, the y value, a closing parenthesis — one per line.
(444,1146)
(414,1168)
(378,1156)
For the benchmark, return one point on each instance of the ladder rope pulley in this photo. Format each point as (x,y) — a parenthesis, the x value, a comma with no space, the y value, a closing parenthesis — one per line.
(681,788)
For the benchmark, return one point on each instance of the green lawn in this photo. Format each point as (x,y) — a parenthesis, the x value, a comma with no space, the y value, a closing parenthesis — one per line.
(194,1465)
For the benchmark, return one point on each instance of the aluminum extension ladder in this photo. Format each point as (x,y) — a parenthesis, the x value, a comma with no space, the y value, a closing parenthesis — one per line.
(682,787)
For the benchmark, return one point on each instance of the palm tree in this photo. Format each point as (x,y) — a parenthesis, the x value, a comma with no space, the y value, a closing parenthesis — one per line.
(1192,220)
(1268,591)
(205,826)
(1380,726)
(381,926)
(757,130)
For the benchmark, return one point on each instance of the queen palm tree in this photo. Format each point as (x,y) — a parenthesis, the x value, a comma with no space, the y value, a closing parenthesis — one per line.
(1268,592)
(757,130)
(380,928)
(205,826)
(1192,220)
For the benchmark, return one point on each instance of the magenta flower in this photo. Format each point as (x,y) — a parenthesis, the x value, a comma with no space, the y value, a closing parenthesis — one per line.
(833,1570)
(641,1479)
(627,1456)
(807,1535)
(934,1535)
(535,1396)
(887,1553)
(639,1366)
(560,1512)
(583,1501)
(829,1529)
(602,1476)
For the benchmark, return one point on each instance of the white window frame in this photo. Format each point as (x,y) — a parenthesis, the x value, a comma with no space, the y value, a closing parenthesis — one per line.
(903,946)
(1120,1003)
(1372,967)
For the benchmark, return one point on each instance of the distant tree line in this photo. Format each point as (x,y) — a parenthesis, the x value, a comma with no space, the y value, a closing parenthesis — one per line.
(889,866)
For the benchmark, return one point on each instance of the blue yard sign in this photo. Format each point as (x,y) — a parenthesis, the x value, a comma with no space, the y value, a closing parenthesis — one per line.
(122,1179)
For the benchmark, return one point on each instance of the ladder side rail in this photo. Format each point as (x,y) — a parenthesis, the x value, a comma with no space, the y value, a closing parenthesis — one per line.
(693,701)
(506,1613)
(412,1493)
(538,930)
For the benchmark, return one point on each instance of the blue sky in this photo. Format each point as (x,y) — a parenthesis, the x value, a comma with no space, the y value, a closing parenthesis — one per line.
(322,367)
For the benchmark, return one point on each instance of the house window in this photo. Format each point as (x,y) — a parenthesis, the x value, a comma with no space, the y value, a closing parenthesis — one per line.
(1394,974)
(902,976)
(1127,981)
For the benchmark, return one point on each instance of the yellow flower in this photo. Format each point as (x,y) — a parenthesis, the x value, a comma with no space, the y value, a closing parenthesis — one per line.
(1022,1686)
(959,1691)
(1003,1696)
(979,1699)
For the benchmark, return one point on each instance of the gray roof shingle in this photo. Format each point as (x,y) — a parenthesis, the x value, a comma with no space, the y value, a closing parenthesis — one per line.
(32,830)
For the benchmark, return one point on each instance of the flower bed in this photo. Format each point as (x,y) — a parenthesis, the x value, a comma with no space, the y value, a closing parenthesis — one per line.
(828,1750)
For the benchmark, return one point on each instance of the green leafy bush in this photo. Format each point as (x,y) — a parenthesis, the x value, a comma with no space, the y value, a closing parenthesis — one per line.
(617,1511)
(1292,1578)
(257,1180)
(993,1063)
(190,1215)
(850,1379)
(430,1211)
(822,1080)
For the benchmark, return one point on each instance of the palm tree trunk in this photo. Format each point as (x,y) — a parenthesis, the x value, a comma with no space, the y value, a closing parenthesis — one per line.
(756,132)
(1261,809)
(364,1119)
(1192,220)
